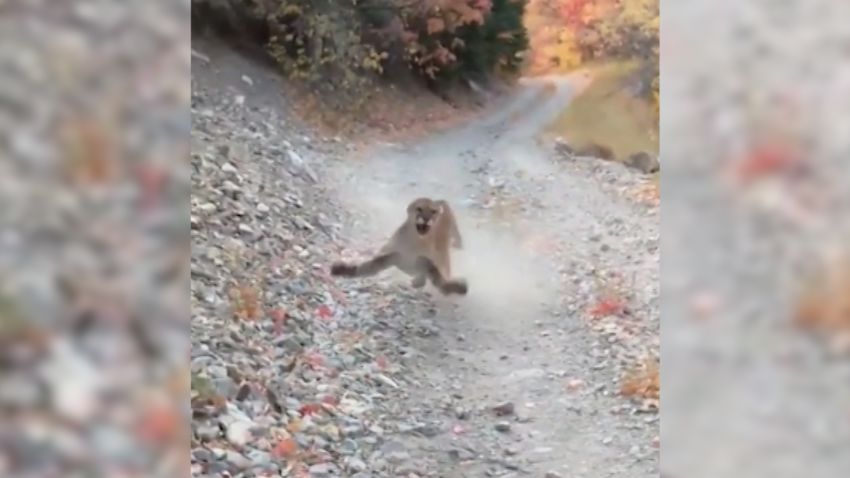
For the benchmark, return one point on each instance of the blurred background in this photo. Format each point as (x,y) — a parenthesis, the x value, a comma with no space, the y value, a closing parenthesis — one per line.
(94,190)
(755,276)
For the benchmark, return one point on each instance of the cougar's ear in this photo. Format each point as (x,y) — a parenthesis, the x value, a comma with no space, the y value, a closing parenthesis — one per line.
(441,206)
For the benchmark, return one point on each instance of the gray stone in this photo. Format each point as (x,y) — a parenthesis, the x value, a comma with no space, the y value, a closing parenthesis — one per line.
(207,432)
(504,409)
(259,457)
(229,169)
(238,432)
(643,162)
(503,427)
(224,386)
(321,470)
(236,460)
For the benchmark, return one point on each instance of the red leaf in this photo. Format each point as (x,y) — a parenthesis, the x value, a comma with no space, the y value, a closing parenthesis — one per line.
(151,181)
(764,160)
(606,307)
(309,409)
(161,424)
(278,319)
(381,362)
(324,312)
(285,448)
(315,359)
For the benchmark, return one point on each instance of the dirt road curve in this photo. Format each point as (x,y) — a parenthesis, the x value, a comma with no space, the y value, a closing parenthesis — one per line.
(519,337)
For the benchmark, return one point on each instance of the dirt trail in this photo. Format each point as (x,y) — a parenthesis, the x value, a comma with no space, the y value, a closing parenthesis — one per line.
(518,336)
(541,233)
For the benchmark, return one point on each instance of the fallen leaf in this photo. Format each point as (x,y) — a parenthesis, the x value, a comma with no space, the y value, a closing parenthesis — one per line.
(285,448)
(294,426)
(764,160)
(246,302)
(161,424)
(607,306)
(324,312)
(278,317)
(309,409)
(643,382)
(824,303)
(90,152)
(381,362)
(151,181)
(314,359)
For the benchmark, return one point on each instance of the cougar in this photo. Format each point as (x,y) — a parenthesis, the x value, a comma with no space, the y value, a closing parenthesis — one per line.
(420,248)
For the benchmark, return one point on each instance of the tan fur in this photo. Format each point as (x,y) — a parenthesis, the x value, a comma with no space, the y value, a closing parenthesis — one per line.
(423,255)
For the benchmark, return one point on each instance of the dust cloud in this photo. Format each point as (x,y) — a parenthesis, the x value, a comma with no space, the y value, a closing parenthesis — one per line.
(503,279)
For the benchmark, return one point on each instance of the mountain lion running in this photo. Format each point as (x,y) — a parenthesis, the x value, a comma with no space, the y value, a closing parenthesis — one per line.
(419,248)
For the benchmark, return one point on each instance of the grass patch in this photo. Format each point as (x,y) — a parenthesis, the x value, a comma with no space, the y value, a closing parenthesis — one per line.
(606,113)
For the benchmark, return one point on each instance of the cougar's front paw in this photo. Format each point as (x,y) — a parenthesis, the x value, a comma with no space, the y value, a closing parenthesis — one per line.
(455,286)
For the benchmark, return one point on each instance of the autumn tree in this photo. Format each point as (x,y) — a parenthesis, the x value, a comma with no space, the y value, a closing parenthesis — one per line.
(567,33)
(627,29)
(479,48)
(341,43)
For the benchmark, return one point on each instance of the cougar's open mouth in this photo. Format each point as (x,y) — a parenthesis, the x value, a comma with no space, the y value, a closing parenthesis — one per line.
(422,228)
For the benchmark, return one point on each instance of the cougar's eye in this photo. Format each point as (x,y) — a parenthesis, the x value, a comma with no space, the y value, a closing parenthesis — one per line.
(419,210)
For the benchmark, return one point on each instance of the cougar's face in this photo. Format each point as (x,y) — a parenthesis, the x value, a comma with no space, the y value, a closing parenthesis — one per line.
(424,214)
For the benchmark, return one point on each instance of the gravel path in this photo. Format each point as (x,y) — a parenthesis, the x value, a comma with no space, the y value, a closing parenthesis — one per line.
(374,378)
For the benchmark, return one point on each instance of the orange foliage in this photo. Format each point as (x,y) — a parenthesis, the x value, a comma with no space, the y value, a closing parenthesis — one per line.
(824,305)
(246,302)
(285,448)
(442,17)
(90,152)
(161,424)
(765,160)
(607,306)
(648,193)
(643,382)
(563,34)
